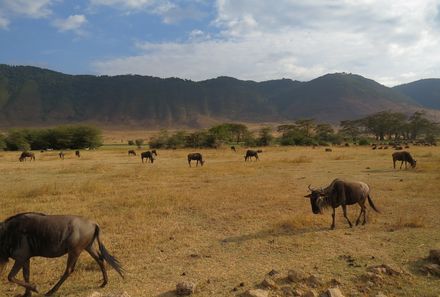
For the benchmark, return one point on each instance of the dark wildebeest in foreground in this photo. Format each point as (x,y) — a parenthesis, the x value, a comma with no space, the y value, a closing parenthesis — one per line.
(196,157)
(61,154)
(78,154)
(341,193)
(28,235)
(148,156)
(131,153)
(405,157)
(25,155)
(250,154)
(233,149)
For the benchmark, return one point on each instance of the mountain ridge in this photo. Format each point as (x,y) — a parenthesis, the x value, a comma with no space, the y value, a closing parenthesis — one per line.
(35,96)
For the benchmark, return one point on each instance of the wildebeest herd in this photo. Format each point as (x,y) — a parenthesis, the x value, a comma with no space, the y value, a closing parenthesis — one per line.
(27,235)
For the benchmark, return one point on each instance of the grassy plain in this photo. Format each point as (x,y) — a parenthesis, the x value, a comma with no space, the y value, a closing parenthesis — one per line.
(229,221)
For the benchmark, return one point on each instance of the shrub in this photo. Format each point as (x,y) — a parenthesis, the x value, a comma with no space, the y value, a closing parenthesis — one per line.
(130,142)
(364,141)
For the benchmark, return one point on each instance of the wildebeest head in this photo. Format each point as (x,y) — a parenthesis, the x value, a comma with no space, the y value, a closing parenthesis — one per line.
(316,199)
(413,164)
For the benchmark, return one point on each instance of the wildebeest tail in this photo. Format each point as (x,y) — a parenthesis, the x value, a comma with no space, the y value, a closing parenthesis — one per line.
(372,204)
(105,255)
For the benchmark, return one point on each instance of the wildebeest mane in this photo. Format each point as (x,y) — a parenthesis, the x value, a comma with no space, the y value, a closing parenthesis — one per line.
(22,214)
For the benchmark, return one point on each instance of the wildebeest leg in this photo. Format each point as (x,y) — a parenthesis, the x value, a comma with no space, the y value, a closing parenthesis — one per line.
(333,219)
(26,275)
(15,269)
(71,261)
(365,217)
(360,214)
(344,209)
(401,165)
(100,262)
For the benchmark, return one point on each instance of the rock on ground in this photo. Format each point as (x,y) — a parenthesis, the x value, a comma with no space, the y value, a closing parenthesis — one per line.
(256,293)
(185,288)
(310,293)
(333,292)
(431,269)
(97,294)
(295,276)
(434,256)
(269,283)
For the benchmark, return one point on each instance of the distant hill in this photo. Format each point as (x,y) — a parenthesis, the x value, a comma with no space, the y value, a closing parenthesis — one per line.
(426,92)
(35,96)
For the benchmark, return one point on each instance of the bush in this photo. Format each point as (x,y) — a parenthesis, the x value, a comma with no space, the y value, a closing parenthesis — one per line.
(2,142)
(364,141)
(139,142)
(64,137)
(130,142)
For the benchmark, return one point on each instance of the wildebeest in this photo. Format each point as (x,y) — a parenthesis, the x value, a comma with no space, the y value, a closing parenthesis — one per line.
(403,156)
(148,156)
(25,155)
(233,148)
(341,193)
(250,154)
(131,153)
(78,154)
(28,235)
(61,154)
(328,149)
(196,157)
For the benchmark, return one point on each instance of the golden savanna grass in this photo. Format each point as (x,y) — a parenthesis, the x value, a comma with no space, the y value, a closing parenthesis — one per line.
(229,221)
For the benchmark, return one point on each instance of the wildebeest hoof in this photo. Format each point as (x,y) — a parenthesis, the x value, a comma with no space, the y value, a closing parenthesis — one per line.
(332,228)
(103,285)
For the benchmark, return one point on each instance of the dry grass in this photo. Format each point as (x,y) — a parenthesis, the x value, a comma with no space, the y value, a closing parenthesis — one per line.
(240,219)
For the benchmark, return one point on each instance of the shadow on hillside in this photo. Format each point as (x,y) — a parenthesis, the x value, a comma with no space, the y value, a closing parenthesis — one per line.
(271,233)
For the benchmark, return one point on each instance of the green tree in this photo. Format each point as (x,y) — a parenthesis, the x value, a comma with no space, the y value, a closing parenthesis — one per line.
(139,142)
(265,136)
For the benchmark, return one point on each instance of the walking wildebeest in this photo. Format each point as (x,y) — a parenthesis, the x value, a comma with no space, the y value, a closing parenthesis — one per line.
(131,153)
(148,156)
(250,154)
(61,154)
(341,193)
(78,154)
(233,148)
(403,156)
(28,235)
(196,157)
(25,155)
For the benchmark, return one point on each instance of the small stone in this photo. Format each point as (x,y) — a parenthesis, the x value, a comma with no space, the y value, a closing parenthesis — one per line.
(185,288)
(272,272)
(310,293)
(384,269)
(431,269)
(380,294)
(256,293)
(313,281)
(434,256)
(295,276)
(333,292)
(269,283)
(242,284)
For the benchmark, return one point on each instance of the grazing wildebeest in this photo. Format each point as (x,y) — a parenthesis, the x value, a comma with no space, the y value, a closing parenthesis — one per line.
(131,153)
(61,154)
(196,157)
(341,193)
(328,149)
(78,154)
(233,148)
(28,235)
(404,157)
(148,156)
(25,155)
(250,154)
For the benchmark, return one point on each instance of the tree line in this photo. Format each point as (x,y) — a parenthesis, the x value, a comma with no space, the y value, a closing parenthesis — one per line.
(58,138)
(382,126)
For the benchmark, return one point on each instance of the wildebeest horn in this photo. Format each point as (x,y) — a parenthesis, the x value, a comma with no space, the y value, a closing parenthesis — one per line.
(311,190)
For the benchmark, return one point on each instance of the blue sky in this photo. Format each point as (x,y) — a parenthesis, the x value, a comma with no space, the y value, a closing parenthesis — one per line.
(389,41)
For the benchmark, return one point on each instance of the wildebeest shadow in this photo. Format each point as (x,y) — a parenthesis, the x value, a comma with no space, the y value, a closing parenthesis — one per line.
(167,294)
(415,267)
(271,233)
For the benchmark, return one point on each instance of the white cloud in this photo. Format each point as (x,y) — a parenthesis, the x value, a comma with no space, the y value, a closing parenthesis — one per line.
(390,41)
(171,11)
(29,8)
(4,23)
(72,23)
